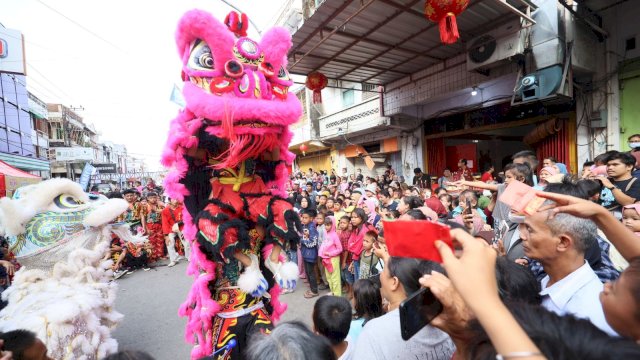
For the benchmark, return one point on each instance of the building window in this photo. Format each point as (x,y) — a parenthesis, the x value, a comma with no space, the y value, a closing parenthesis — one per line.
(348,97)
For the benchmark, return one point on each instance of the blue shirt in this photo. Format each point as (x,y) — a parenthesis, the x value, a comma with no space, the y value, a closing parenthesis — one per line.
(309,248)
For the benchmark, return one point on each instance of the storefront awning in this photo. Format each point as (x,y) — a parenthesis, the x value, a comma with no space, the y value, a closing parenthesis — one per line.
(379,41)
(312,146)
(12,178)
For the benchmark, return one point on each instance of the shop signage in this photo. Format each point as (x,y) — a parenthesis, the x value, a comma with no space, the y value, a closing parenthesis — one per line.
(11,51)
(74,153)
(106,168)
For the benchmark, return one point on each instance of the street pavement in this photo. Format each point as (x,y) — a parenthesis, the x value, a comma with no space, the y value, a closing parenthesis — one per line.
(149,301)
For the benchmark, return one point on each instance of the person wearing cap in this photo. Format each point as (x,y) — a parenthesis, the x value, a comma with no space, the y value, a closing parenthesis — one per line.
(370,192)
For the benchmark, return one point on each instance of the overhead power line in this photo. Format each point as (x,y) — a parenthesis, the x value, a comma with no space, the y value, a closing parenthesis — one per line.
(81,26)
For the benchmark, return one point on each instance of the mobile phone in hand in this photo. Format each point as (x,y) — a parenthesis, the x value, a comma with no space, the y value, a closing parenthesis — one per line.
(468,210)
(417,311)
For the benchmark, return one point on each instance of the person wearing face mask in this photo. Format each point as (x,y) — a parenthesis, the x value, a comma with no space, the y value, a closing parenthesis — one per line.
(634,144)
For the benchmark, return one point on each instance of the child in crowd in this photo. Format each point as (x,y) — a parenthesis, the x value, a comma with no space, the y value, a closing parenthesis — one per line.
(330,251)
(367,302)
(344,233)
(631,217)
(322,234)
(331,319)
(368,260)
(309,250)
(24,345)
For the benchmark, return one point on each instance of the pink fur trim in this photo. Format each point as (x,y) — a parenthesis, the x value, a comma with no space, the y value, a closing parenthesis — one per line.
(279,308)
(275,44)
(209,106)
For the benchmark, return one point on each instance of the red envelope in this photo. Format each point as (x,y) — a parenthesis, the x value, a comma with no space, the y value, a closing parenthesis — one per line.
(415,238)
(522,198)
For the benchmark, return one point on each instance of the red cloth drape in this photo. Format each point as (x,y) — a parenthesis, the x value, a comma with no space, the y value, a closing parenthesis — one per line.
(435,156)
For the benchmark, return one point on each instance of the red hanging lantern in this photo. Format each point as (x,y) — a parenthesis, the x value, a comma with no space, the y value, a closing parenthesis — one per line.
(316,81)
(304,149)
(444,13)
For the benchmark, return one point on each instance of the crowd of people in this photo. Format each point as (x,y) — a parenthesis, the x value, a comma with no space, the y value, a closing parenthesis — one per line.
(159,226)
(558,282)
(561,281)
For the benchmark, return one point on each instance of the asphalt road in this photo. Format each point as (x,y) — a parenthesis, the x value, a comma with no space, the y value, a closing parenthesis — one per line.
(150,300)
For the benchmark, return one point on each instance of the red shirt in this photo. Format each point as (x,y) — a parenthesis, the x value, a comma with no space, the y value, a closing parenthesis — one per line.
(168,220)
(462,175)
(487,177)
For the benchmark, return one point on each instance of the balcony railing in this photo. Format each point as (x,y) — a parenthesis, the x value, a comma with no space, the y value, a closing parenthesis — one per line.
(352,119)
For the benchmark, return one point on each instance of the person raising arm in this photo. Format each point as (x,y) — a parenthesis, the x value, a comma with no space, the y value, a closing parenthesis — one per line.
(473,275)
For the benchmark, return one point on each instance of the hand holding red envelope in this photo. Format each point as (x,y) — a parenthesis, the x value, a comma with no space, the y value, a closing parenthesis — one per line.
(522,198)
(416,238)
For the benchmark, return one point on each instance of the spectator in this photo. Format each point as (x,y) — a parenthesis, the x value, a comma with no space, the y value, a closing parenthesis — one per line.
(386,201)
(409,202)
(359,222)
(381,339)
(330,251)
(463,172)
(546,174)
(631,217)
(447,177)
(331,319)
(624,189)
(559,337)
(290,340)
(370,208)
(529,158)
(571,286)
(420,179)
(488,173)
(309,251)
(24,345)
(369,262)
(447,202)
(172,229)
(367,303)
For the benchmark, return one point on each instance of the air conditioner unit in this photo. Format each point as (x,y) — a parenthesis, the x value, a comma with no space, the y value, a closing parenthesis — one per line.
(496,47)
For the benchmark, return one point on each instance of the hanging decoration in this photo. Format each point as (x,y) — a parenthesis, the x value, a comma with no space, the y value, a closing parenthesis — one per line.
(444,13)
(304,149)
(316,81)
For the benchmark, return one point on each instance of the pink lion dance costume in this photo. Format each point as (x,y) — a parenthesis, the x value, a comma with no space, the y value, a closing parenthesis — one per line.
(228,154)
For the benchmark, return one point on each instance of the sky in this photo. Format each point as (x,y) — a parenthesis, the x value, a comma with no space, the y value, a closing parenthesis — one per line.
(117,59)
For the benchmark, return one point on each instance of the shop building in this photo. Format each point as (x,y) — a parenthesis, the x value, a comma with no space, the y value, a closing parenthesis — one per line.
(536,76)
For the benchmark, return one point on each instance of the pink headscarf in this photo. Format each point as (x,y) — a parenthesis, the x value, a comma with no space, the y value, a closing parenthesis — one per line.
(635,206)
(371,205)
(550,169)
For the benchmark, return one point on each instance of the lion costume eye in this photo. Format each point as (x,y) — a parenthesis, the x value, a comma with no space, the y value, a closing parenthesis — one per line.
(201,57)
(65,201)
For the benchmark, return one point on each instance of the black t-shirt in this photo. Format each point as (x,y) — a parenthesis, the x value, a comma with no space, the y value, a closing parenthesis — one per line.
(630,189)
(391,206)
(424,181)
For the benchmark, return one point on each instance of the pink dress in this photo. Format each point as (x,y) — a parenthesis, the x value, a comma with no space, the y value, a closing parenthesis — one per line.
(330,247)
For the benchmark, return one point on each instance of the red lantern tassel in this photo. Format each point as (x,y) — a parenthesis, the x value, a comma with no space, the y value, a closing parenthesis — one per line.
(449,29)
(317,96)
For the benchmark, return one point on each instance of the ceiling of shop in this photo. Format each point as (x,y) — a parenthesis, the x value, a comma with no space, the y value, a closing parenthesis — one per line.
(379,41)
